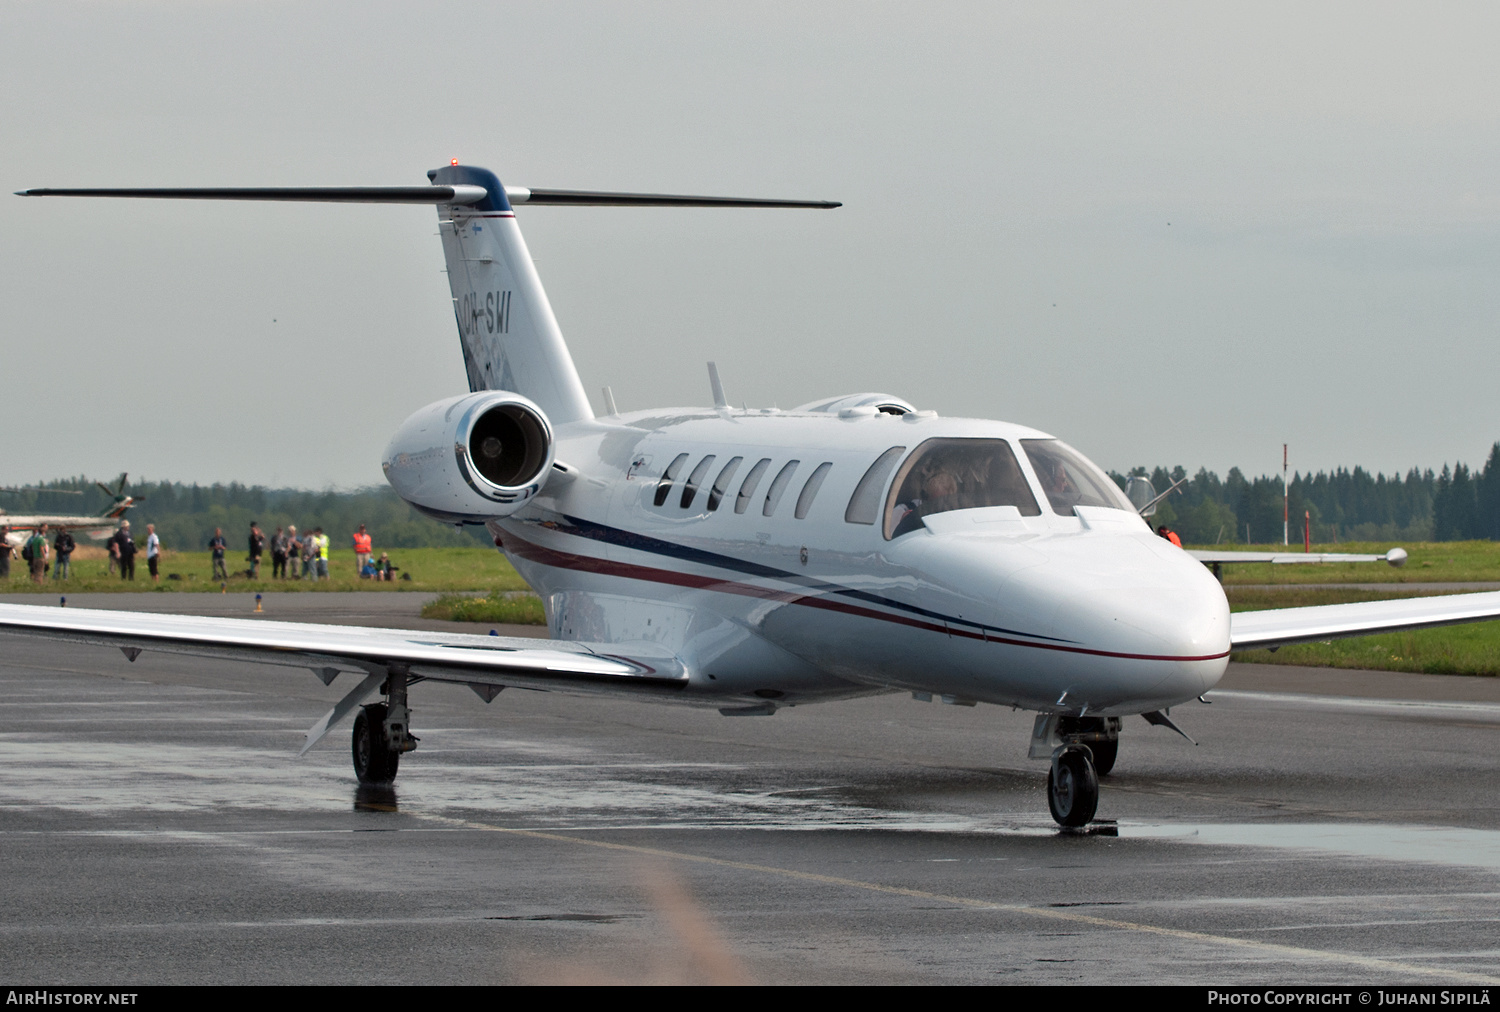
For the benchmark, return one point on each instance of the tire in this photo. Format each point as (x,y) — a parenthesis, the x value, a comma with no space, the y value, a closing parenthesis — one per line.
(1105,753)
(1073,791)
(373,762)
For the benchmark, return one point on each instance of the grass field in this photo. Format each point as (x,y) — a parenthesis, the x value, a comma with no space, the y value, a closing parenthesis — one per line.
(430,569)
(513,607)
(1428,562)
(1472,649)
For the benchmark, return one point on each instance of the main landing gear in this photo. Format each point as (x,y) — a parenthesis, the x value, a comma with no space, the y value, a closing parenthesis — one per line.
(382,731)
(1082,749)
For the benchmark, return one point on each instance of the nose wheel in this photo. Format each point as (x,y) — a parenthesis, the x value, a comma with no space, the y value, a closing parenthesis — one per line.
(1073,787)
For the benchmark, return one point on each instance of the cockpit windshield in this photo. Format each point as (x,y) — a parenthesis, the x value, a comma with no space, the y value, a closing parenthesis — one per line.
(956,474)
(1069,479)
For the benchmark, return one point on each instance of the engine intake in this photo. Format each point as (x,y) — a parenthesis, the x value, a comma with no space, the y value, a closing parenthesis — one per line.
(471,458)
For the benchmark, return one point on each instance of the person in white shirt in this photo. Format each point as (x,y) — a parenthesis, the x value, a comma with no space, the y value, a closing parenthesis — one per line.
(153,553)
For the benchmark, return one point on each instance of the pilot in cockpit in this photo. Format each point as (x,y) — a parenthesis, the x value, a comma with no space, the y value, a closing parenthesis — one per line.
(1056,481)
(936,483)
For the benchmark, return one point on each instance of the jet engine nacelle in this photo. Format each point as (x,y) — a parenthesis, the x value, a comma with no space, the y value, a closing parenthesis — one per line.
(472,458)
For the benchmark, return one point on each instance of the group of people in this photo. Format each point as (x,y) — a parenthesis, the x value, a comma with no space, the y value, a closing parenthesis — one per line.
(56,557)
(122,552)
(287,548)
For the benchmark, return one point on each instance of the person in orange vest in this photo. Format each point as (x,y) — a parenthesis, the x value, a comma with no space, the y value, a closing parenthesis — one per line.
(1169,534)
(362,548)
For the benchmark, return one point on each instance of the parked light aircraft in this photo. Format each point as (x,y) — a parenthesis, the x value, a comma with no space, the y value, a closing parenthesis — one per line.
(15,528)
(751,560)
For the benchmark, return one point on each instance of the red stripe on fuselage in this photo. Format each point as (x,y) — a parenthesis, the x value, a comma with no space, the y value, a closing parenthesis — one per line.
(533,552)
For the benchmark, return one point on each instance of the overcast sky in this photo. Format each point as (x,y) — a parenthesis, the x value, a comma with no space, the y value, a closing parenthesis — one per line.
(1172,233)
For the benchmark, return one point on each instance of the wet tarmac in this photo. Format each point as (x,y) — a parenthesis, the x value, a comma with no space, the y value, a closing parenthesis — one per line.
(1334,827)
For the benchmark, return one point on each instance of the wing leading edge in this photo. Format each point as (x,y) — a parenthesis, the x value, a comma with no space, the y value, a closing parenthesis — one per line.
(1249,630)
(1396,557)
(478,661)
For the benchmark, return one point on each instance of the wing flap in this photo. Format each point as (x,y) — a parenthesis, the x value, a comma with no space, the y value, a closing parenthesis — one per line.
(454,657)
(1249,630)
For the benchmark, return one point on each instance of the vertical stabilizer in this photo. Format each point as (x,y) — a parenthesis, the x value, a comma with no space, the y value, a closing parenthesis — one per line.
(510,338)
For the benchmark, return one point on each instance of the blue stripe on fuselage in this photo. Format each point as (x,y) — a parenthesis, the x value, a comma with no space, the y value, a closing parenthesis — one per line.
(579,527)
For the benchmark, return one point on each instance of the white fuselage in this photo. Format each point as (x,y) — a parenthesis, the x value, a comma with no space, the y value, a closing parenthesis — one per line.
(1086,614)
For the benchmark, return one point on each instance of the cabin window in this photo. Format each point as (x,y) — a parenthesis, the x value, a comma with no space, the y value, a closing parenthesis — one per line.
(664,487)
(864,504)
(1069,479)
(721,483)
(955,474)
(778,486)
(690,490)
(810,490)
(747,490)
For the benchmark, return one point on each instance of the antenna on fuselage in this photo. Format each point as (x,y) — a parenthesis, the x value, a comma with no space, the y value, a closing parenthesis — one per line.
(609,402)
(718,388)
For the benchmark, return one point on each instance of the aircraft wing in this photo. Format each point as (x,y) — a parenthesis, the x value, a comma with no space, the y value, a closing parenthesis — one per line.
(485,663)
(1249,630)
(95,526)
(1396,557)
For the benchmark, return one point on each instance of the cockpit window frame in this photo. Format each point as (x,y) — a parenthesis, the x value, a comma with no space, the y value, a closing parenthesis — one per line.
(1106,494)
(1019,480)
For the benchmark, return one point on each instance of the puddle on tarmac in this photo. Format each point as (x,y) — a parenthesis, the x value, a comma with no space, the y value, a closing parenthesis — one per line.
(559,786)
(511,780)
(1470,848)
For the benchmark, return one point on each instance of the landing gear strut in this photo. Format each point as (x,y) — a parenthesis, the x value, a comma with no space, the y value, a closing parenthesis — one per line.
(382,732)
(1081,749)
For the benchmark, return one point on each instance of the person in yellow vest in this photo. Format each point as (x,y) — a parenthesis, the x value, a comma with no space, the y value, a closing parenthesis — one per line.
(362,549)
(322,542)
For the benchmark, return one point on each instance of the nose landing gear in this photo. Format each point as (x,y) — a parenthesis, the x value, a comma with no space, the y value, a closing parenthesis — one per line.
(1081,749)
(1073,787)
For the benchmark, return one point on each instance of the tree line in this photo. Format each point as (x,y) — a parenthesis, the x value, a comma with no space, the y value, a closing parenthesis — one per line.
(186,515)
(1453,504)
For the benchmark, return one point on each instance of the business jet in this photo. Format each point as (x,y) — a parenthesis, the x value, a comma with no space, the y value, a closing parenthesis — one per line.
(754,559)
(15,528)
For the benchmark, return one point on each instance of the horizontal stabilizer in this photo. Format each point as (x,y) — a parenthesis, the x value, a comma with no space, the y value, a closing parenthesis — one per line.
(459,194)
(605,198)
(333,194)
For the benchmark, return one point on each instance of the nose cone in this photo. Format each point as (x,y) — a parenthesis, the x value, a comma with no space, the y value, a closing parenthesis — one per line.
(1149,622)
(1122,596)
(1111,622)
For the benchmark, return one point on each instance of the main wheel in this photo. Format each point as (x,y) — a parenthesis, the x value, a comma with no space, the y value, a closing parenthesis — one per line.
(373,762)
(1073,792)
(1105,753)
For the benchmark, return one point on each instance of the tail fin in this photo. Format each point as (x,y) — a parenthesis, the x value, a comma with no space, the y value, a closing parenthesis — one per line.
(510,338)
